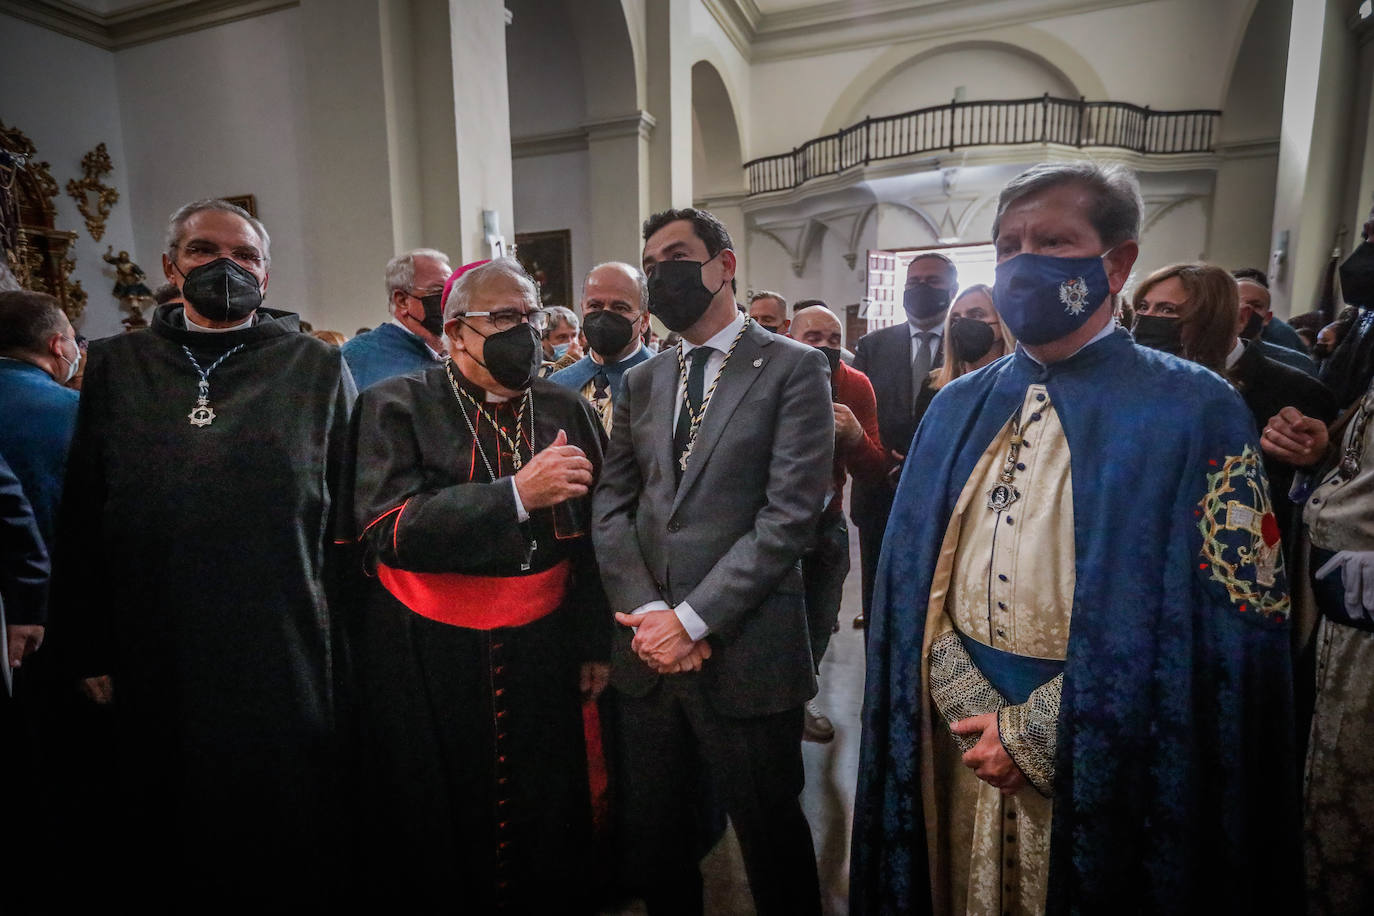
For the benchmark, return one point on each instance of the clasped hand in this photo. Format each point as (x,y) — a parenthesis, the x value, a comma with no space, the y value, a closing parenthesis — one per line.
(988,759)
(663,644)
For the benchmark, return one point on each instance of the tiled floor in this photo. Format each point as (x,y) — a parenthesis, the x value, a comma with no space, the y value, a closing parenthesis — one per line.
(831,772)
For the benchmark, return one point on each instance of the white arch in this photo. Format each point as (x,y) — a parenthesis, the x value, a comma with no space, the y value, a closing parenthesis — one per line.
(1054,55)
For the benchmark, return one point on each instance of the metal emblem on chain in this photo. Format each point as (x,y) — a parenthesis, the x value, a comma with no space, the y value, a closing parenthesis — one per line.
(1004,494)
(696,416)
(1349,467)
(203,414)
(531,545)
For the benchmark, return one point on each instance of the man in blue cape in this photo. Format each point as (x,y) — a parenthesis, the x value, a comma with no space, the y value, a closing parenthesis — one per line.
(1142,757)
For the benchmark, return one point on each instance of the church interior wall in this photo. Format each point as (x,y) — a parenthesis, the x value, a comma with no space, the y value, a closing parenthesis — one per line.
(237,133)
(66,114)
(551,192)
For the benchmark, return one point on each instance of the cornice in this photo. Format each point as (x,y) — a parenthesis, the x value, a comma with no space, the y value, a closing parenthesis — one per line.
(576,139)
(572,140)
(138,24)
(845,25)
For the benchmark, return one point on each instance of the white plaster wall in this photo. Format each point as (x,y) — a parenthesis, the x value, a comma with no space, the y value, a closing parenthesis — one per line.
(551,193)
(985,73)
(218,112)
(66,113)
(544,69)
(1166,53)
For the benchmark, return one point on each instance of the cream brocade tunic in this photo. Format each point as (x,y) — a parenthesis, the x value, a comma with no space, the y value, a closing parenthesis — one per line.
(1008,582)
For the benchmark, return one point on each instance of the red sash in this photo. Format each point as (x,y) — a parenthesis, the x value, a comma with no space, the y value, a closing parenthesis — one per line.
(478,602)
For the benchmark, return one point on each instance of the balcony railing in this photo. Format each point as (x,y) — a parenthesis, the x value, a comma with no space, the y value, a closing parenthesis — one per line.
(1067,122)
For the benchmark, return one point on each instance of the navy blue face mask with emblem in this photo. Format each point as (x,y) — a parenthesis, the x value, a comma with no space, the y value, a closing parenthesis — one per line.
(1042,298)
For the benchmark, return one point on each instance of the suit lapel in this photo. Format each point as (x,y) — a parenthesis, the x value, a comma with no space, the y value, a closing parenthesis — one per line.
(661,403)
(736,378)
(901,342)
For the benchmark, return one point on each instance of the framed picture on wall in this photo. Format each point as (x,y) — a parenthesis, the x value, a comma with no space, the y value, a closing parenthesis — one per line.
(547,257)
(246,201)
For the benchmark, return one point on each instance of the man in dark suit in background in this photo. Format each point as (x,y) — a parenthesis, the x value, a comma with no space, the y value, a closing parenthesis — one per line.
(898,360)
(717,471)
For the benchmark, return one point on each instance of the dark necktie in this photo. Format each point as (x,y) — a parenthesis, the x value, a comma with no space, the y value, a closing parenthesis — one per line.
(600,385)
(696,384)
(920,363)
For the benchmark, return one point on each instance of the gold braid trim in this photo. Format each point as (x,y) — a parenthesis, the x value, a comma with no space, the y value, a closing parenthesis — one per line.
(1030,733)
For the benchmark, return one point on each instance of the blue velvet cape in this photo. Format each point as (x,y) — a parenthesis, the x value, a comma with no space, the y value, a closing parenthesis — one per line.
(585,369)
(1176,783)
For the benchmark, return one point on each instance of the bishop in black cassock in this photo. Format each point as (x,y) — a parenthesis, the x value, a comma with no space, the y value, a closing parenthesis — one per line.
(479,620)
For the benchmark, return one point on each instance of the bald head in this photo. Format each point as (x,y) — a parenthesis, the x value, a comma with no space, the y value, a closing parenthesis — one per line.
(817,326)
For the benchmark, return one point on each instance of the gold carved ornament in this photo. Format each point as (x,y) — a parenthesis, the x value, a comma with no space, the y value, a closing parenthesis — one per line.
(95,165)
(36,250)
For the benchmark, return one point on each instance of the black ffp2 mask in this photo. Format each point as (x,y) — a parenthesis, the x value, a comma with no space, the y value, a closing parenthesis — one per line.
(512,356)
(1357,276)
(222,290)
(677,295)
(607,332)
(971,339)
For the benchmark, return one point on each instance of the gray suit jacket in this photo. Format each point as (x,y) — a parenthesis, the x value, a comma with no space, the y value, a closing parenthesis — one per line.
(729,538)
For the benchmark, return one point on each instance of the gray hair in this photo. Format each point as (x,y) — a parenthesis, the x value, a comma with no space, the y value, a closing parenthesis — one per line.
(177,223)
(640,279)
(558,316)
(490,273)
(1116,208)
(769,294)
(400,270)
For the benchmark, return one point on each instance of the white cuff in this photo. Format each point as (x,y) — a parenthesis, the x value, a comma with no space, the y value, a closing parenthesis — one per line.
(694,625)
(520,512)
(651,606)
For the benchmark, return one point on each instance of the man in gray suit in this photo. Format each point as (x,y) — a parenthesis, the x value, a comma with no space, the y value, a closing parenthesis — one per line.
(717,472)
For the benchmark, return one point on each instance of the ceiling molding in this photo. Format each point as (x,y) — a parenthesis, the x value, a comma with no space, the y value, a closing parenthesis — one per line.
(846,25)
(139,24)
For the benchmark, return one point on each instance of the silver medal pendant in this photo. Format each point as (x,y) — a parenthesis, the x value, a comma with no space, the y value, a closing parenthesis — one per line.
(1001,497)
(202,414)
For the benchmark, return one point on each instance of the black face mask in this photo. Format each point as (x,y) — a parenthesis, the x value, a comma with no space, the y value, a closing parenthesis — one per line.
(971,339)
(433,322)
(924,302)
(222,290)
(1254,326)
(832,356)
(1357,276)
(775,328)
(511,356)
(677,295)
(607,332)
(1159,333)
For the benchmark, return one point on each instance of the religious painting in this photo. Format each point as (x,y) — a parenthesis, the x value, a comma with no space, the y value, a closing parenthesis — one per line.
(246,201)
(547,257)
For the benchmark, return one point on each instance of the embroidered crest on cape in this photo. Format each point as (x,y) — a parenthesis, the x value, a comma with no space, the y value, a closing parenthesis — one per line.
(1240,537)
(1074,294)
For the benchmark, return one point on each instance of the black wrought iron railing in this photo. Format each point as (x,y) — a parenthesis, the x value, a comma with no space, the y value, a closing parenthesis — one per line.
(1068,122)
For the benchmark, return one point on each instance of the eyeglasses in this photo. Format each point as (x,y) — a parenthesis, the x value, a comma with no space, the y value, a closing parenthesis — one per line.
(204,251)
(505,319)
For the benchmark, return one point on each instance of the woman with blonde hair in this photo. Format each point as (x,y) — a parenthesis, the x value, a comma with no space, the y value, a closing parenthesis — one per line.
(974,336)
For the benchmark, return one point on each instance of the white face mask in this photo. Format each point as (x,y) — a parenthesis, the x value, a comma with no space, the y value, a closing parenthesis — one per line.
(72,364)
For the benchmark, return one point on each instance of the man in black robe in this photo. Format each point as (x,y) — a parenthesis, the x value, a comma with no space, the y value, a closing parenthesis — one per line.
(190,581)
(485,618)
